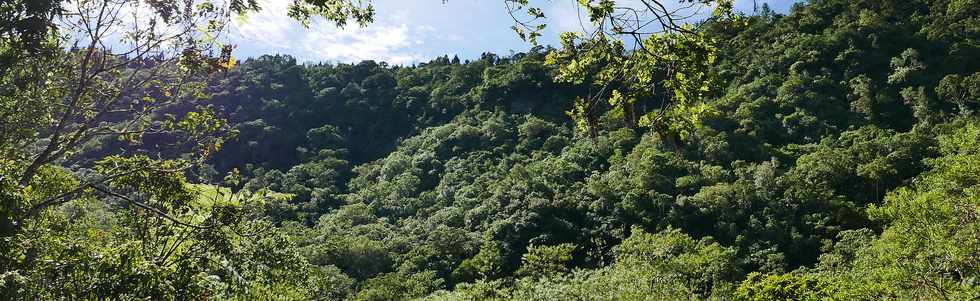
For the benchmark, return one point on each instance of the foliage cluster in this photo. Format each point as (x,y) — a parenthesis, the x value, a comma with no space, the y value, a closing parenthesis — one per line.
(829,153)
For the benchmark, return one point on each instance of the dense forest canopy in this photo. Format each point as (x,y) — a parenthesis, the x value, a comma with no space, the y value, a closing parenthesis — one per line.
(832,152)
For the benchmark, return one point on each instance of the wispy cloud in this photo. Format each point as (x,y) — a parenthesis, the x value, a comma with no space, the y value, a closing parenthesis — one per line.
(272,31)
(570,16)
(410,31)
(566,16)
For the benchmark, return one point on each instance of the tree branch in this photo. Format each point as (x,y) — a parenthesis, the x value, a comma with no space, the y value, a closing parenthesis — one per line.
(150,208)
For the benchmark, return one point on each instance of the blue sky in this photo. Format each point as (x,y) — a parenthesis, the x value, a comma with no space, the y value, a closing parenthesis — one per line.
(409,31)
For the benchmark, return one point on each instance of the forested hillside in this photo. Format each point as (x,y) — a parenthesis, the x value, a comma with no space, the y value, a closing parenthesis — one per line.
(837,157)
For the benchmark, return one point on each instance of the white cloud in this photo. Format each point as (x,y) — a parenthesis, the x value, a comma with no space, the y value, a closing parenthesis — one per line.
(565,16)
(271,30)
(409,31)
(382,42)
